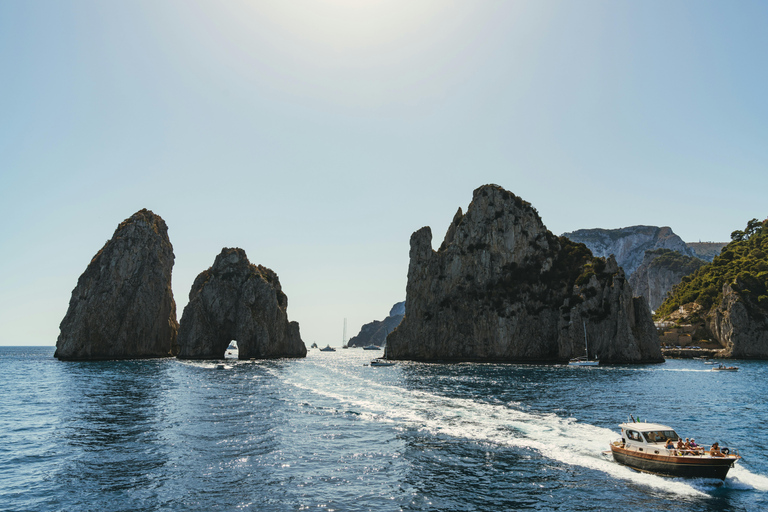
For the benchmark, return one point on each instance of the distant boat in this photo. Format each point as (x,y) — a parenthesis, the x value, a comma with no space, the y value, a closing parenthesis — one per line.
(382,362)
(344,336)
(314,345)
(371,347)
(328,348)
(722,368)
(584,360)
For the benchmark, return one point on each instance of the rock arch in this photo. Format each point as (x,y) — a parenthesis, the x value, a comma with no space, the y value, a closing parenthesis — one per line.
(237,300)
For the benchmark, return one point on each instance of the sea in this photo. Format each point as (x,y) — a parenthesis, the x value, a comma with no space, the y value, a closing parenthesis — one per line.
(330,433)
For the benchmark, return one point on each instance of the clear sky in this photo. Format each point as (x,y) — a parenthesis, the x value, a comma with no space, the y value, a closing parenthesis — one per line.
(318,135)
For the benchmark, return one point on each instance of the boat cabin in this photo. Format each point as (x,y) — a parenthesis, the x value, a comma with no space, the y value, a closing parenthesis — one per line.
(638,435)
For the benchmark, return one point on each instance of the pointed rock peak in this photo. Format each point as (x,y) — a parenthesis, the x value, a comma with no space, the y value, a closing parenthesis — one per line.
(144,218)
(500,199)
(237,300)
(230,258)
(452,229)
(123,306)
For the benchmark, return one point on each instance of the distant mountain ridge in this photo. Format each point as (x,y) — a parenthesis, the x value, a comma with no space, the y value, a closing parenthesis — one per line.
(629,244)
(375,333)
(659,272)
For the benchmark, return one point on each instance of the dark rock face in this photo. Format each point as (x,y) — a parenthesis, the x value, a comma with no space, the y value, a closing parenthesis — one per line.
(375,333)
(628,245)
(504,288)
(706,250)
(236,300)
(659,271)
(739,326)
(122,306)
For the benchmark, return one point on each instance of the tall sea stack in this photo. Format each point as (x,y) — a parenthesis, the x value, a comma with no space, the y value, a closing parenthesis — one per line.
(504,288)
(122,306)
(237,300)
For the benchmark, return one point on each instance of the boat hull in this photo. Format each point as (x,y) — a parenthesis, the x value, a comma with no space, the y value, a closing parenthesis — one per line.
(691,466)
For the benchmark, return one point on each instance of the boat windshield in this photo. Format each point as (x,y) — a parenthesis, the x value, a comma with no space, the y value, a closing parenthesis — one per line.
(660,436)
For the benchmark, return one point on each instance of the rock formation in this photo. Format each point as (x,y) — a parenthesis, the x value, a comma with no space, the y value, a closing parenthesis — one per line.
(236,300)
(628,245)
(739,326)
(726,301)
(122,306)
(504,288)
(375,333)
(706,250)
(660,270)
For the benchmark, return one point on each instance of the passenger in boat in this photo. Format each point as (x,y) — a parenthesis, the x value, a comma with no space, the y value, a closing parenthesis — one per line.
(715,451)
(695,449)
(687,446)
(670,444)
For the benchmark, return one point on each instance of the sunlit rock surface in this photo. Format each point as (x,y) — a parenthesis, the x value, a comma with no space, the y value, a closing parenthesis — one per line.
(237,300)
(122,306)
(502,287)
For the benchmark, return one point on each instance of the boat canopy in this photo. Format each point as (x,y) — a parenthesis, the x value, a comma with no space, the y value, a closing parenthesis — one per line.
(652,432)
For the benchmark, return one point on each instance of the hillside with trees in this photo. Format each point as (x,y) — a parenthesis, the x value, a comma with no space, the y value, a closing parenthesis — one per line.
(743,264)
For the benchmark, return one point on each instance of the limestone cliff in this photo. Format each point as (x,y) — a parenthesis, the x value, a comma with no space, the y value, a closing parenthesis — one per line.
(660,270)
(375,333)
(504,288)
(236,300)
(122,306)
(740,327)
(727,300)
(629,244)
(706,250)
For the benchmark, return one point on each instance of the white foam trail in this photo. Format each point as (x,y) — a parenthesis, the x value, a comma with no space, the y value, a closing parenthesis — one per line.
(741,478)
(561,439)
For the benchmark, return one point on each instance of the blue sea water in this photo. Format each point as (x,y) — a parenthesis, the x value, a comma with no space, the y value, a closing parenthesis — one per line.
(328,433)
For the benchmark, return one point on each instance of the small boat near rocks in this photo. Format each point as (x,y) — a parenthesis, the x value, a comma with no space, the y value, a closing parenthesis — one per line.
(723,368)
(382,362)
(643,447)
(371,347)
(584,360)
(328,348)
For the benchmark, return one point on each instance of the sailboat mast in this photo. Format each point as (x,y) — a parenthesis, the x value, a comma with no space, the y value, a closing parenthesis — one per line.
(344,336)
(586,348)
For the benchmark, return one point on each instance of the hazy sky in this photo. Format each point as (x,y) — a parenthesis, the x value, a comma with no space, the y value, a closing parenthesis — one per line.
(318,135)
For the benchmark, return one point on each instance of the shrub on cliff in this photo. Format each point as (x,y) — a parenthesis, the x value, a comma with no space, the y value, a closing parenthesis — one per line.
(742,263)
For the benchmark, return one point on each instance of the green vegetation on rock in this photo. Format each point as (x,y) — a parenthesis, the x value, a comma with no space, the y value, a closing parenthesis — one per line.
(743,264)
(674,261)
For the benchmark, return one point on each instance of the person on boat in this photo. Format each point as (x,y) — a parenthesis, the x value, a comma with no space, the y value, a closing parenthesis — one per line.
(670,444)
(715,451)
(687,446)
(695,448)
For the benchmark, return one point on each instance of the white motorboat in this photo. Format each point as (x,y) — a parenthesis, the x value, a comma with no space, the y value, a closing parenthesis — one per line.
(644,446)
(723,368)
(382,362)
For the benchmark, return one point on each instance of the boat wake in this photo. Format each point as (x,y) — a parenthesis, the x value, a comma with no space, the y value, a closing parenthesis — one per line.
(561,439)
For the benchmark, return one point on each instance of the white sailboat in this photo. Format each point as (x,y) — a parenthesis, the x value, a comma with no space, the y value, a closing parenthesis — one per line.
(584,360)
(344,336)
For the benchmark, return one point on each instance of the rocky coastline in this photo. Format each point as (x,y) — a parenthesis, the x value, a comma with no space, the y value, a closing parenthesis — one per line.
(237,300)
(503,288)
(123,306)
